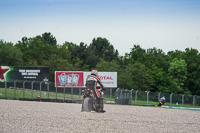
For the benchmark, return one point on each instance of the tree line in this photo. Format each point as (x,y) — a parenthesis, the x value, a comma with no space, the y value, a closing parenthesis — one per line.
(140,69)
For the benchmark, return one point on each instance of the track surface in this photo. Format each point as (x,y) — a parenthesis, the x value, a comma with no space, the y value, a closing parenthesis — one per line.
(45,117)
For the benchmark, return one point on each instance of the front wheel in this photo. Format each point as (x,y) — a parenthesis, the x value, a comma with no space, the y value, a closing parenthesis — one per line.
(100,107)
(87,104)
(160,104)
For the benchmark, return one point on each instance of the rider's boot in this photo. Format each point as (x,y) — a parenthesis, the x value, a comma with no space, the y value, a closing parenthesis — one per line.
(101,103)
(82,108)
(102,111)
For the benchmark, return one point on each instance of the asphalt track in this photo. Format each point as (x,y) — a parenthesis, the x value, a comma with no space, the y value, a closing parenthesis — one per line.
(47,117)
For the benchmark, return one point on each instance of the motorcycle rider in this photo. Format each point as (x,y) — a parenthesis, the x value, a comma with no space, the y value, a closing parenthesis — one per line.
(162,99)
(91,82)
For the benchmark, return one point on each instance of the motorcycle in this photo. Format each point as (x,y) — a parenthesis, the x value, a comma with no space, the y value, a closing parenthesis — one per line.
(90,102)
(161,102)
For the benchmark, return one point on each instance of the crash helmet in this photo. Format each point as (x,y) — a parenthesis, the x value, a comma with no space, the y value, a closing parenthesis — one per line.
(94,72)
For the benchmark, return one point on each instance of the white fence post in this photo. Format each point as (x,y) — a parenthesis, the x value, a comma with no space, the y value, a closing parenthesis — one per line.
(15,88)
(110,95)
(48,88)
(23,88)
(32,87)
(131,95)
(136,96)
(194,100)
(5,89)
(159,96)
(41,88)
(148,97)
(183,99)
(171,99)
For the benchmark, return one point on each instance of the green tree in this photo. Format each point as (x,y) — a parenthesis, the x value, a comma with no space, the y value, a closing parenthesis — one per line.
(78,55)
(80,52)
(192,59)
(104,49)
(158,77)
(137,54)
(10,55)
(157,58)
(175,54)
(135,76)
(167,85)
(112,66)
(33,51)
(100,48)
(59,60)
(178,71)
(47,38)
(56,63)
(92,59)
(107,66)
(141,78)
(125,79)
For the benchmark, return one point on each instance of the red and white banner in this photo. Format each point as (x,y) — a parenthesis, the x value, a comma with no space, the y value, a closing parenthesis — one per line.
(69,78)
(78,79)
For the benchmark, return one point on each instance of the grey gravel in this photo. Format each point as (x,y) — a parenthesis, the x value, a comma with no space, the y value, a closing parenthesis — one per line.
(47,117)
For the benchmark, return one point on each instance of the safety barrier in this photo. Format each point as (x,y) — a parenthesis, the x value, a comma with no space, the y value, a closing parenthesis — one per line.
(48,91)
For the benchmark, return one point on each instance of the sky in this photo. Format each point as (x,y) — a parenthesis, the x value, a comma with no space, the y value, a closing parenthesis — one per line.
(164,24)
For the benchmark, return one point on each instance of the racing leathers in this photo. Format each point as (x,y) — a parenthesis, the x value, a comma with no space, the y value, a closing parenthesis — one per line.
(91,82)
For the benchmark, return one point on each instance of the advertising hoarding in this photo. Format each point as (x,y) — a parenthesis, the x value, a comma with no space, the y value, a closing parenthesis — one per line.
(78,78)
(108,79)
(66,79)
(12,73)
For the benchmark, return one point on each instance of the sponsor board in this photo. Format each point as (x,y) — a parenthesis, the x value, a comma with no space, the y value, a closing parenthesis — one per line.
(108,79)
(12,73)
(78,79)
(66,79)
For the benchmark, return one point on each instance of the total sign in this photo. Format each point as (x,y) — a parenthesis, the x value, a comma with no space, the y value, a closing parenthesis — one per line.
(108,79)
(78,79)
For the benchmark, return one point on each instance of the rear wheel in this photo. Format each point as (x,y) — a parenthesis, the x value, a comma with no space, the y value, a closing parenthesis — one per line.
(87,104)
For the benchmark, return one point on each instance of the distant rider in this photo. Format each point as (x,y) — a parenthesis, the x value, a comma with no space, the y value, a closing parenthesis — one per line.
(91,82)
(162,99)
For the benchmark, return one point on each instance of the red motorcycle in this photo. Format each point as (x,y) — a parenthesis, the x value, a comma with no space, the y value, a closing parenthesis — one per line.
(90,102)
